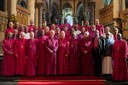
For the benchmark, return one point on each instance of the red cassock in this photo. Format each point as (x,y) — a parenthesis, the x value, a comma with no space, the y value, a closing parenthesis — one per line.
(100,28)
(8,62)
(41,55)
(63,57)
(68,35)
(31,28)
(20,54)
(86,58)
(88,28)
(8,30)
(92,34)
(51,58)
(65,24)
(119,54)
(74,58)
(115,37)
(31,53)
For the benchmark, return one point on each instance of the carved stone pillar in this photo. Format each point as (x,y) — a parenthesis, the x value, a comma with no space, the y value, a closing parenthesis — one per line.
(31,7)
(48,18)
(116,9)
(85,9)
(40,17)
(41,10)
(13,7)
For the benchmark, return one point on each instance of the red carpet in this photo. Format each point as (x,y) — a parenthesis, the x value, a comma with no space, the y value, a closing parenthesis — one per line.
(65,80)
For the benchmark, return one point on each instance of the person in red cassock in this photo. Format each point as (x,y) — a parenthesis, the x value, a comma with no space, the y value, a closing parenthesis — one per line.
(65,24)
(119,56)
(80,36)
(87,26)
(46,29)
(67,33)
(115,33)
(8,62)
(86,55)
(51,57)
(41,53)
(20,54)
(63,55)
(99,27)
(76,25)
(10,29)
(74,55)
(92,31)
(31,27)
(31,54)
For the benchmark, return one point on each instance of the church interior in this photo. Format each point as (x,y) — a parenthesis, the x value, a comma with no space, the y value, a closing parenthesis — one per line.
(109,12)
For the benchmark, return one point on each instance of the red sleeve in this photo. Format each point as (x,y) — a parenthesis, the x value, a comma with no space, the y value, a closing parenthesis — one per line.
(4,48)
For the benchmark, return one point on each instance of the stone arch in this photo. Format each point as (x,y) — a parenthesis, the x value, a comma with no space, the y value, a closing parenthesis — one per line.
(67,5)
(67,12)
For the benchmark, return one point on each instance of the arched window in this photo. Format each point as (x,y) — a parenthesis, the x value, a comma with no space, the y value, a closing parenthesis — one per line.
(2,5)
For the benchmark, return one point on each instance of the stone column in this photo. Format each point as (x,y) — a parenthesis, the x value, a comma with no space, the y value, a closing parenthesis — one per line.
(116,9)
(85,9)
(31,8)
(13,7)
(40,17)
(36,18)
(5,5)
(92,14)
(123,4)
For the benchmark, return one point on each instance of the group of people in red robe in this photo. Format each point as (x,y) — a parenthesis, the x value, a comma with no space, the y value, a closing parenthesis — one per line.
(64,50)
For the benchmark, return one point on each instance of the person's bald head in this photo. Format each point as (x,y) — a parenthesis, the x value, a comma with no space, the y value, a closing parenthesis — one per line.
(11,24)
(86,34)
(32,35)
(32,22)
(62,34)
(22,35)
(9,34)
(97,21)
(46,29)
(107,29)
(52,33)
(115,30)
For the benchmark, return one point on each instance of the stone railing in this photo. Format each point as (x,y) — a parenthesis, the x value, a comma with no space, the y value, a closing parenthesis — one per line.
(3,26)
(22,15)
(106,15)
(124,18)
